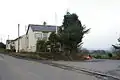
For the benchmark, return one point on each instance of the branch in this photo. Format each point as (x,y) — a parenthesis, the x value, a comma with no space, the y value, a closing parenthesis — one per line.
(116,47)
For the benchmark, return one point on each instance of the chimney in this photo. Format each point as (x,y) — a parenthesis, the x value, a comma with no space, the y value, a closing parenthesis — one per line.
(44,23)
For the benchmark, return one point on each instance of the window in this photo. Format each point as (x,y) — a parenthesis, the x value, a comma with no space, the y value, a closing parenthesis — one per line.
(38,35)
(45,35)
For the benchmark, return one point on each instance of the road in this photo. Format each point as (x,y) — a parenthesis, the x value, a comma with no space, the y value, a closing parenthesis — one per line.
(19,69)
(106,66)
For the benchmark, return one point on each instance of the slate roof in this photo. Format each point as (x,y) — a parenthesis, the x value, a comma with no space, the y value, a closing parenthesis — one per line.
(48,28)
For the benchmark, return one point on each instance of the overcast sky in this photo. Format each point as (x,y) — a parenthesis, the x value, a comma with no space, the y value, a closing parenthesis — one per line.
(102,16)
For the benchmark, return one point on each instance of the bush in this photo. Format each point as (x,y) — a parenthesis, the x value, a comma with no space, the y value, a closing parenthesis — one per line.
(41,47)
(8,50)
(98,56)
(110,55)
(2,45)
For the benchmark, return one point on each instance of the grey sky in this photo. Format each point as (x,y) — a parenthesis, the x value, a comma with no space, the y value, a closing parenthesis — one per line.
(102,16)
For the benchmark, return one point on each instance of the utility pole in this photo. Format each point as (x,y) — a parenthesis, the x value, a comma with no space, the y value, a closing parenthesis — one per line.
(18,37)
(8,37)
(56,23)
(25,28)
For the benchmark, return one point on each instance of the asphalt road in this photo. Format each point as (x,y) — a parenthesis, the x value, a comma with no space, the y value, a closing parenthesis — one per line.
(106,66)
(19,69)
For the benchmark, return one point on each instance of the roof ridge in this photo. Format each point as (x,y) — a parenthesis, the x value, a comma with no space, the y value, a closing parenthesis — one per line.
(41,25)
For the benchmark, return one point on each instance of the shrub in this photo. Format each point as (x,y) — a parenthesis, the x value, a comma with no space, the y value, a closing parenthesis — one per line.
(110,55)
(41,47)
(98,56)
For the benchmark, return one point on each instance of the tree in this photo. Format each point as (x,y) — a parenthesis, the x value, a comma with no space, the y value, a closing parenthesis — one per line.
(117,46)
(71,33)
(110,55)
(54,42)
(2,45)
(84,51)
(53,37)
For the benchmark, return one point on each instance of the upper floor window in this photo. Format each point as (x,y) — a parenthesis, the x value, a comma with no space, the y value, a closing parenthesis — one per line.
(45,34)
(38,35)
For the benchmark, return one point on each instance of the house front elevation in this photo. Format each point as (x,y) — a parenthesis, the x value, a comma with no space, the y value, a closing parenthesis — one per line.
(37,32)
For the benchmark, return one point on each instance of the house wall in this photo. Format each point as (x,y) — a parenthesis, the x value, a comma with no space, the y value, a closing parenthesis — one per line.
(23,46)
(42,35)
(37,35)
(16,45)
(7,45)
(31,41)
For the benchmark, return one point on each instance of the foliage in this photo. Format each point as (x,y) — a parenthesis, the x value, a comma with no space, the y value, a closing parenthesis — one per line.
(84,51)
(99,51)
(53,37)
(110,55)
(117,49)
(12,48)
(41,46)
(71,32)
(98,56)
(54,42)
(2,45)
(2,50)
(117,46)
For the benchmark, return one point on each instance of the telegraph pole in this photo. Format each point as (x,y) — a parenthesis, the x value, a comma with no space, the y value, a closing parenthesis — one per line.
(18,37)
(25,28)
(8,37)
(56,23)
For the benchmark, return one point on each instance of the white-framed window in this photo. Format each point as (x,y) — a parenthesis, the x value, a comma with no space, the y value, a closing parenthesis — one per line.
(45,36)
(38,35)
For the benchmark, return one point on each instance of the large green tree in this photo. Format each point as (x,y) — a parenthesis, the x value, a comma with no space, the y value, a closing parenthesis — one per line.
(71,32)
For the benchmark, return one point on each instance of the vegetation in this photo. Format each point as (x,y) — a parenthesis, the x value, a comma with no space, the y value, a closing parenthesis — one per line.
(41,46)
(71,33)
(117,46)
(68,39)
(64,45)
(54,42)
(110,55)
(117,49)
(2,45)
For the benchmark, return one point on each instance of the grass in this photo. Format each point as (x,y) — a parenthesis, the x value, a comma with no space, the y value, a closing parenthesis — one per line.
(2,50)
(27,55)
(106,56)
(45,56)
(57,56)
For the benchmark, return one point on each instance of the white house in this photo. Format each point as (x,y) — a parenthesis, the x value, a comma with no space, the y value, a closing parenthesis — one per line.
(37,32)
(27,42)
